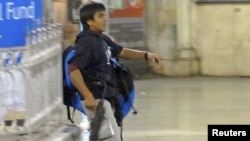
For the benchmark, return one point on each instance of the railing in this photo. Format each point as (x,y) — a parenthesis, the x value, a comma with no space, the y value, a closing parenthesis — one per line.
(31,83)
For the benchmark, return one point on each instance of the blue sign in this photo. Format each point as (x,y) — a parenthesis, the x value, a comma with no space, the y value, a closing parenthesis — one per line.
(17,18)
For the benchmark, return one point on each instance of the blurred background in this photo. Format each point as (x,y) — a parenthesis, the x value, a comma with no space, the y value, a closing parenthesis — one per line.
(192,37)
(203,46)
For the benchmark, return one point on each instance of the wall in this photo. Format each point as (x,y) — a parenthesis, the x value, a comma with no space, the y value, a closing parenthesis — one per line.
(199,39)
(161,28)
(168,35)
(127,27)
(70,30)
(222,38)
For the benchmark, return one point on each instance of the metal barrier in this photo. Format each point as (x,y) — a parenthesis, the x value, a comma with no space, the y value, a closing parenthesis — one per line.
(31,83)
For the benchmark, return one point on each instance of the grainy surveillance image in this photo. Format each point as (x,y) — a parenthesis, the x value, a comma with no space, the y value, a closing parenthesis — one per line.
(124,70)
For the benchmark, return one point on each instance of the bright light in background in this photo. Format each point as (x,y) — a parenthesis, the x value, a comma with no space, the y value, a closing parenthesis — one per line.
(98,1)
(132,2)
(116,4)
(112,4)
(85,1)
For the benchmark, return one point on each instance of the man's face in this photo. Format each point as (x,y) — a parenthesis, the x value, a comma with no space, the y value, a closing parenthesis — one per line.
(99,22)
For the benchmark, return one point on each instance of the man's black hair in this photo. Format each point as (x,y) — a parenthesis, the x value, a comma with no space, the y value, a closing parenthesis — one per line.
(88,11)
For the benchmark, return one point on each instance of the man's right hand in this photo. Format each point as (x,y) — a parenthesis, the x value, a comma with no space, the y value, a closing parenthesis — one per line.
(90,103)
(78,82)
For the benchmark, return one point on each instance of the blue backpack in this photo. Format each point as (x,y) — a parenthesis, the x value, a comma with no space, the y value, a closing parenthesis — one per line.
(71,97)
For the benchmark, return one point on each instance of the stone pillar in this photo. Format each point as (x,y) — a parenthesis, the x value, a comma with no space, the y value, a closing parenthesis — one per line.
(184,40)
(160,19)
(183,23)
(168,34)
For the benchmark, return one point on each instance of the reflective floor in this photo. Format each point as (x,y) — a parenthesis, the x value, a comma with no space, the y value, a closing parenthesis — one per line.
(179,109)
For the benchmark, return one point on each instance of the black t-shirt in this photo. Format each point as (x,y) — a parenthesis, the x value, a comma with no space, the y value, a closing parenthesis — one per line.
(92,57)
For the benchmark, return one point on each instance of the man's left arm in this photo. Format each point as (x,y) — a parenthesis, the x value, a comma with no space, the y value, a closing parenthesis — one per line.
(137,54)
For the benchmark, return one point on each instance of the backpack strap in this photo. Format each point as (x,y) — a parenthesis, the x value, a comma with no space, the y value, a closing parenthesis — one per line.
(68,113)
(76,105)
(113,60)
(121,131)
(70,94)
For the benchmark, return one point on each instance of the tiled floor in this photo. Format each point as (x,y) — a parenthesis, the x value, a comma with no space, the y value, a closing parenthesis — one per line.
(179,109)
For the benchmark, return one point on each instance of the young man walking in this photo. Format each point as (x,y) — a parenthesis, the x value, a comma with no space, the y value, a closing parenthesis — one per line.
(91,64)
